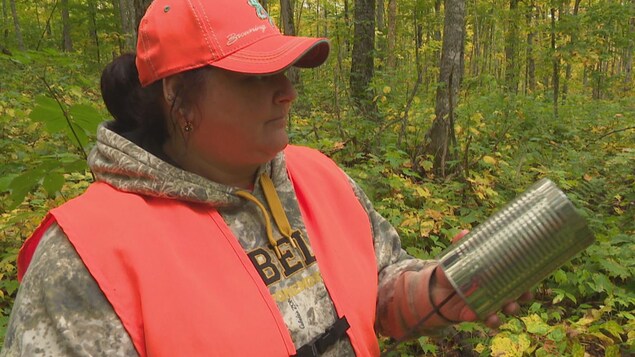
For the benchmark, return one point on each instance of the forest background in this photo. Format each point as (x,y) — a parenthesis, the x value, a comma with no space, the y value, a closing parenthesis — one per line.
(442,111)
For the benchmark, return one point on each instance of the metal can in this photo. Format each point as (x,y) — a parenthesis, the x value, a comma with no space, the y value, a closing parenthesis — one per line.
(515,248)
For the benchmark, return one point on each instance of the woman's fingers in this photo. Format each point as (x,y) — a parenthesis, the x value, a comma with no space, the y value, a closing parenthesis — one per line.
(460,235)
(493,321)
(527,296)
(511,308)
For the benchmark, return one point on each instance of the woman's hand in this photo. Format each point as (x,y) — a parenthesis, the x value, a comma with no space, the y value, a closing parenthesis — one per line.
(455,310)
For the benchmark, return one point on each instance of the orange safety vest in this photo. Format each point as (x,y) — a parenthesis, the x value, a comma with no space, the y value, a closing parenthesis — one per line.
(183,286)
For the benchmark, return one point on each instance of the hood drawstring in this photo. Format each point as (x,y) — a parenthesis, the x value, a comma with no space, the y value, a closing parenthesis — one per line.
(279,216)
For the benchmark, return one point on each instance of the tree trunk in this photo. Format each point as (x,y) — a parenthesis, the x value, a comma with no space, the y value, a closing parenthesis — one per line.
(67,41)
(628,57)
(127,16)
(347,21)
(140,7)
(5,23)
(437,34)
(530,77)
(288,28)
(476,46)
(441,136)
(511,67)
(391,60)
(556,64)
(572,42)
(93,28)
(380,26)
(16,26)
(362,67)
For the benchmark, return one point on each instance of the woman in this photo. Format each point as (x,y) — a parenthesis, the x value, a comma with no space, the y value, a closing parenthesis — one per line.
(205,233)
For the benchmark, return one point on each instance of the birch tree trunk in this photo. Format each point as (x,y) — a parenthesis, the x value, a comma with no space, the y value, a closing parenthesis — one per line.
(441,136)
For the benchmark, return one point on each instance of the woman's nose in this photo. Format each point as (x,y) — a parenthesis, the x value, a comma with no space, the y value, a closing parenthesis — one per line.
(286,91)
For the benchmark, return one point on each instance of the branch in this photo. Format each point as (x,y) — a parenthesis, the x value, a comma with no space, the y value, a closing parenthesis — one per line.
(48,22)
(68,121)
(610,133)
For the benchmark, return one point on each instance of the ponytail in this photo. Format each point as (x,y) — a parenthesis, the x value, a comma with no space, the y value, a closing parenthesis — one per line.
(137,110)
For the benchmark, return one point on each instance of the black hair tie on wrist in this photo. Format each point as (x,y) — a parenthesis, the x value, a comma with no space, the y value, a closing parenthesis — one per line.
(436,308)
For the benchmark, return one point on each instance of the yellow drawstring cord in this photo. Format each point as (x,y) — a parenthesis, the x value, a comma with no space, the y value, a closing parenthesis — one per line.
(277,211)
(279,216)
(248,196)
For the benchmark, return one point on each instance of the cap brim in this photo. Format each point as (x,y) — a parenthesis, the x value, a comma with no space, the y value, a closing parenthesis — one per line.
(276,53)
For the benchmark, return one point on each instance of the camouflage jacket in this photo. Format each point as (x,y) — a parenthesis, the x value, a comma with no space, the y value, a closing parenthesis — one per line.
(60,310)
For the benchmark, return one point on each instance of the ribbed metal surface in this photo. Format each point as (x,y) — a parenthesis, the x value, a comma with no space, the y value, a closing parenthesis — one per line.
(515,248)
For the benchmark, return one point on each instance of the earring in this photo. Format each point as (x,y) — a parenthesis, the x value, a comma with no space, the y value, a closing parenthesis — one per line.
(170,98)
(187,127)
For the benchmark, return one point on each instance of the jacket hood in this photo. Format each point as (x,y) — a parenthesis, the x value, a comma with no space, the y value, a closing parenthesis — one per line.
(128,167)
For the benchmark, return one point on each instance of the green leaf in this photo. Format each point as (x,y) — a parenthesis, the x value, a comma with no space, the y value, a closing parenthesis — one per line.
(601,283)
(76,165)
(23,184)
(86,117)
(614,268)
(5,181)
(53,182)
(557,334)
(47,111)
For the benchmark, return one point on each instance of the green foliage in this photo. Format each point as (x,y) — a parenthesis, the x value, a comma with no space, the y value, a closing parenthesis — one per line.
(588,305)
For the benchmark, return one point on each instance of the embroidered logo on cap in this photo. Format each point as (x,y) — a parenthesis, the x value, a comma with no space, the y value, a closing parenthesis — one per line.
(260,11)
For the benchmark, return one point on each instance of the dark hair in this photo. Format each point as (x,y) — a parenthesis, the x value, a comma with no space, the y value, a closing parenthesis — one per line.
(138,111)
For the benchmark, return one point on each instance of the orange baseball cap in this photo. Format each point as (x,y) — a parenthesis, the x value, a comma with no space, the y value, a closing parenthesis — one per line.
(236,35)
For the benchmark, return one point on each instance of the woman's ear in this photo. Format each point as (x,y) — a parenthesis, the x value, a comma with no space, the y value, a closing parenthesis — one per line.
(170,85)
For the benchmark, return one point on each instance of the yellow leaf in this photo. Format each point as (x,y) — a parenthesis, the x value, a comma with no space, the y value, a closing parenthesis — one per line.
(489,160)
(426,227)
(477,117)
(587,177)
(436,215)
(11,113)
(422,192)
(474,131)
(602,337)
(536,325)
(387,89)
(479,348)
(339,145)
(408,222)
(503,345)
